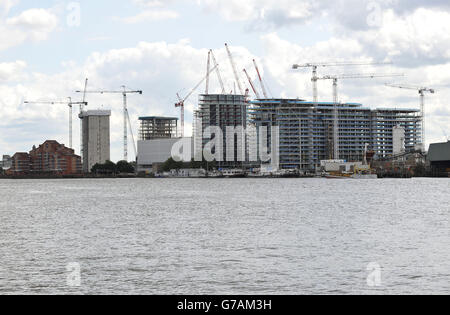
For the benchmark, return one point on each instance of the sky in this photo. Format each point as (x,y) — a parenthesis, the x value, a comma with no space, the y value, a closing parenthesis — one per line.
(48,48)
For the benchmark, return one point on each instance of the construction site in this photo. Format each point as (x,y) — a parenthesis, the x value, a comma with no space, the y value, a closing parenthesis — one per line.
(307,131)
(310,132)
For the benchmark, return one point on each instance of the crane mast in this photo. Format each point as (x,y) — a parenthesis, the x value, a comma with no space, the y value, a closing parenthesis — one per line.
(180,104)
(70,106)
(219,76)
(422,91)
(233,65)
(81,120)
(207,73)
(124,93)
(315,67)
(335,79)
(263,88)
(252,85)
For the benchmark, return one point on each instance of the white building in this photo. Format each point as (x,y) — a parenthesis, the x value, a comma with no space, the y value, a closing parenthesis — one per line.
(398,140)
(96,138)
(158,151)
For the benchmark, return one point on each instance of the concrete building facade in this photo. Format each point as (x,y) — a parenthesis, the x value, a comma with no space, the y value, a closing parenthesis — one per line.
(96,138)
(306,130)
(223,111)
(153,153)
(398,140)
(155,127)
(157,136)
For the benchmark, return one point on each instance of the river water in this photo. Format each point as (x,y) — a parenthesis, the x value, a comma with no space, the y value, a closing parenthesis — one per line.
(225,236)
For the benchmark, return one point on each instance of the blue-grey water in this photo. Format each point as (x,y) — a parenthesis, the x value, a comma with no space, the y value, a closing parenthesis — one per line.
(220,236)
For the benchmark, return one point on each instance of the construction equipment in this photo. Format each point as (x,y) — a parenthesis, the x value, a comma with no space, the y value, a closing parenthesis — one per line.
(124,93)
(445,134)
(81,120)
(70,105)
(233,65)
(422,91)
(219,76)
(181,101)
(315,67)
(263,88)
(335,79)
(252,85)
(208,66)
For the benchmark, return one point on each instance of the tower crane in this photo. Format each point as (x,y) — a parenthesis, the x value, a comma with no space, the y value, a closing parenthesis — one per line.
(260,80)
(181,101)
(335,79)
(422,91)
(81,120)
(219,76)
(70,105)
(126,116)
(236,75)
(208,66)
(252,85)
(315,67)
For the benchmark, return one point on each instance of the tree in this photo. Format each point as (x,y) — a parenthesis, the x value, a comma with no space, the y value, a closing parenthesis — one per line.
(107,168)
(125,167)
(171,164)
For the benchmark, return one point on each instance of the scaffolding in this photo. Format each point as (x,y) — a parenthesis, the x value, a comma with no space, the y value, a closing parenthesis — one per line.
(224,110)
(306,130)
(152,128)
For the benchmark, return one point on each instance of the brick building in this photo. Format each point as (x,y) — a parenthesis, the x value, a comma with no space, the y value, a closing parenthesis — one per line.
(49,158)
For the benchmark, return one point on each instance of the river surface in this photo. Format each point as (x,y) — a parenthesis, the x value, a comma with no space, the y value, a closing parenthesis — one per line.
(225,236)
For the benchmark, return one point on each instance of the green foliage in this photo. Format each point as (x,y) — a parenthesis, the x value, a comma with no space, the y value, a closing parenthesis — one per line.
(125,167)
(108,168)
(171,164)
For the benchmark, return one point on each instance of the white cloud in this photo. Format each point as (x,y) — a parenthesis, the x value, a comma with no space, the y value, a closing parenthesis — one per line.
(12,71)
(6,5)
(32,24)
(152,11)
(159,69)
(150,16)
(415,39)
(420,37)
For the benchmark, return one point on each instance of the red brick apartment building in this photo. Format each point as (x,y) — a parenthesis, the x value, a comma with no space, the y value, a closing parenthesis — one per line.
(49,158)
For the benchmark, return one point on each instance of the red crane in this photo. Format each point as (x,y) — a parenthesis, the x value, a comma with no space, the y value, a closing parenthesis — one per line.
(252,85)
(260,79)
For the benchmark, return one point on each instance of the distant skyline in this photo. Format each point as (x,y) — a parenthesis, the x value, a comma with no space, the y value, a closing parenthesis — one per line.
(48,48)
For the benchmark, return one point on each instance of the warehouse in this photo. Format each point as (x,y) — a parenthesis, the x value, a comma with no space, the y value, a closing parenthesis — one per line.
(439,158)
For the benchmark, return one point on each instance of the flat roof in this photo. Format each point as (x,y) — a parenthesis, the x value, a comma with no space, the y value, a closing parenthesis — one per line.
(349,105)
(157,118)
(98,112)
(439,152)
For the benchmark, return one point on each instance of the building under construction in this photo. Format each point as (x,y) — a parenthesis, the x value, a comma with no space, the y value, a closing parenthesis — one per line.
(307,133)
(222,110)
(157,136)
(154,127)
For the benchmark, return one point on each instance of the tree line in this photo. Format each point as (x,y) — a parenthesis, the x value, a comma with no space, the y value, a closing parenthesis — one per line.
(110,168)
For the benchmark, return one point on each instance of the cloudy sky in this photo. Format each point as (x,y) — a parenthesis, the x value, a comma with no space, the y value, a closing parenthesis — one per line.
(48,48)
